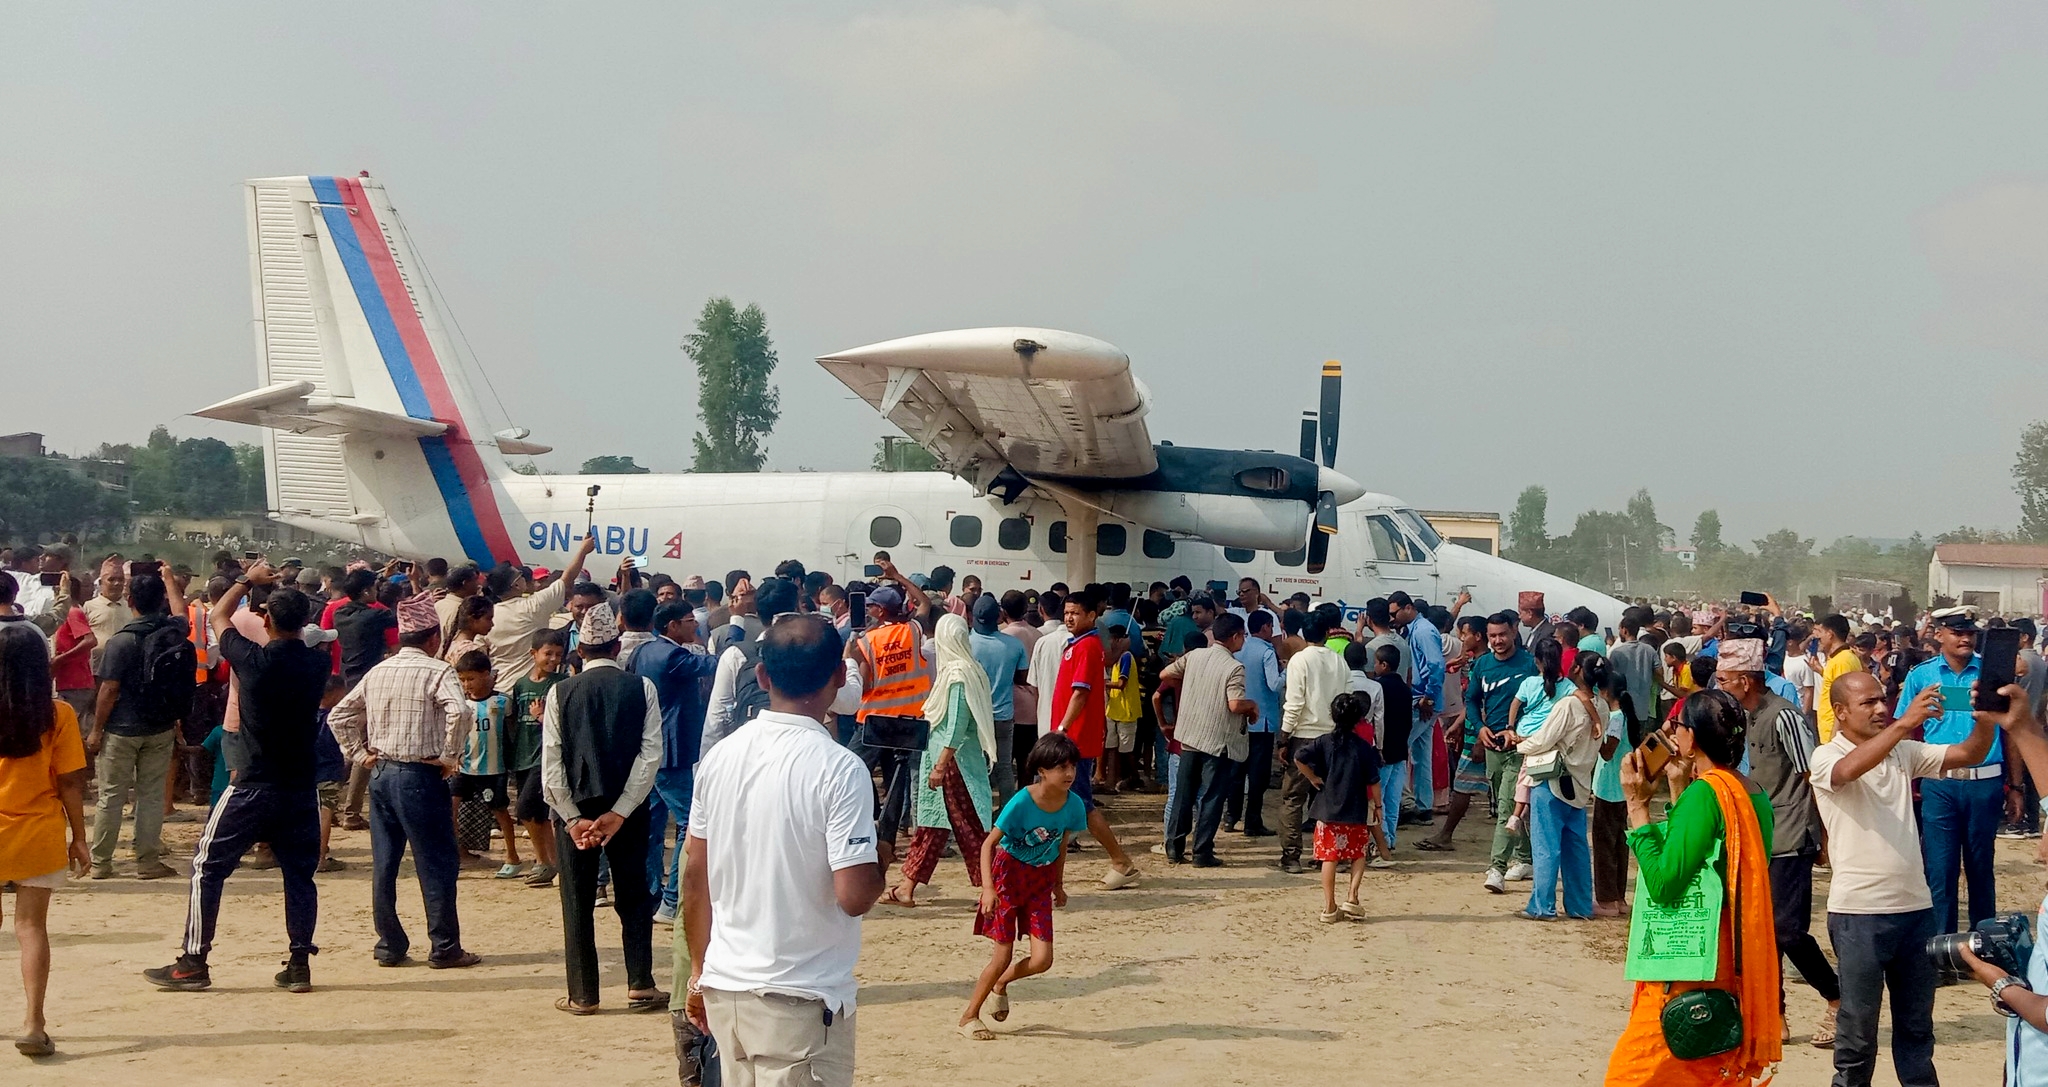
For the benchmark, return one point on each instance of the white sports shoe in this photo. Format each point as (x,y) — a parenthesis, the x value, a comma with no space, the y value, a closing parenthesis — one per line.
(1496,881)
(1520,873)
(1117,881)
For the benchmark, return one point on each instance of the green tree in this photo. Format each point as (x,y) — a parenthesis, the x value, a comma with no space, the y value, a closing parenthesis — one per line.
(39,497)
(2030,479)
(902,455)
(737,405)
(1706,533)
(1528,529)
(192,477)
(1780,562)
(255,495)
(612,466)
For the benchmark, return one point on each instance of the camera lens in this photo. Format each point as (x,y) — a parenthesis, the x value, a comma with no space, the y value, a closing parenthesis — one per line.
(1945,952)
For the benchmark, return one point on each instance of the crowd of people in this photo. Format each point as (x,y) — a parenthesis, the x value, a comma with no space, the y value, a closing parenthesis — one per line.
(740,757)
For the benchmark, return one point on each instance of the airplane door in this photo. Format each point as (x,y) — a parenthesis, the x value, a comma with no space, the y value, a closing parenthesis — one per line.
(886,528)
(1399,561)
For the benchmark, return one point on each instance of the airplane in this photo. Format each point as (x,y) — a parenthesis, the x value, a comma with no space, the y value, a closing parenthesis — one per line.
(373,434)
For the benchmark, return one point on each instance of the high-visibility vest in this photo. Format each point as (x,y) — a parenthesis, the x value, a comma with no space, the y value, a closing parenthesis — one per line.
(202,641)
(900,673)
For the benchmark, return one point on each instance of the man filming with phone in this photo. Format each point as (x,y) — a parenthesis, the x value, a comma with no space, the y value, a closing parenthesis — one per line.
(1960,812)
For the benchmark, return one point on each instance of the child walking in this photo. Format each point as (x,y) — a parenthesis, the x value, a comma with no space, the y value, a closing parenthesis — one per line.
(1025,857)
(481,774)
(1346,772)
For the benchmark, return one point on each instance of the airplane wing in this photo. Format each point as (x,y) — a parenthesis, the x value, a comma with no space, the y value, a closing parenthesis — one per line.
(1043,402)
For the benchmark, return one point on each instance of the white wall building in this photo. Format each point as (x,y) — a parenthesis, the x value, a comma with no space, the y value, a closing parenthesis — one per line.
(2003,578)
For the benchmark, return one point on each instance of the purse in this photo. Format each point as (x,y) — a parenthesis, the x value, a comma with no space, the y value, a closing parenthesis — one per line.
(1707,1022)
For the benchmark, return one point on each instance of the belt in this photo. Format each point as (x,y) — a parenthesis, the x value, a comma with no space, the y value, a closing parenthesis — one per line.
(1975,773)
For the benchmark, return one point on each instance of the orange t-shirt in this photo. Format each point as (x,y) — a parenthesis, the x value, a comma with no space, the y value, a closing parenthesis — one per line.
(32,819)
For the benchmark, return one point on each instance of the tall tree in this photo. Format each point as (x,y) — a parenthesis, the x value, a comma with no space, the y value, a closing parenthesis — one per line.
(1780,560)
(40,497)
(612,466)
(1528,529)
(2030,479)
(1706,533)
(255,494)
(902,455)
(736,403)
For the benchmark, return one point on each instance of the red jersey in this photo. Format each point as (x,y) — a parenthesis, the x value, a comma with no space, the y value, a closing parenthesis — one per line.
(1082,666)
(75,672)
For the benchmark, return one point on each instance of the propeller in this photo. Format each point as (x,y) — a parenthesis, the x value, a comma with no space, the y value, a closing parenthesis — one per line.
(1324,421)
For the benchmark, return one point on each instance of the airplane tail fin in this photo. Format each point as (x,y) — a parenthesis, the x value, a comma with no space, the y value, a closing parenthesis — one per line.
(373,430)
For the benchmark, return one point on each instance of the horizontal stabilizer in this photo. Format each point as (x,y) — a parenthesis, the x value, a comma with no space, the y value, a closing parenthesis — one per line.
(290,406)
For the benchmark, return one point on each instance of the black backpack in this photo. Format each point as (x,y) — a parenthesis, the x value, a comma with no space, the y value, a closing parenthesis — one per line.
(168,667)
(749,698)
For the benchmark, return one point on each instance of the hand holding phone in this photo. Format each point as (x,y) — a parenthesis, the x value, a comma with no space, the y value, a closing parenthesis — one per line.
(1997,666)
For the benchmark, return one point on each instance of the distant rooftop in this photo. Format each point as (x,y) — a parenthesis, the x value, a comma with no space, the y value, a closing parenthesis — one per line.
(2017,556)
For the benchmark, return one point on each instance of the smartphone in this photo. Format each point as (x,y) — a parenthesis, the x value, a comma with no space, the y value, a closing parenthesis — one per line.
(1656,752)
(639,562)
(1955,698)
(1998,651)
(871,570)
(857,611)
(140,567)
(1750,599)
(53,579)
(1813,646)
(1609,635)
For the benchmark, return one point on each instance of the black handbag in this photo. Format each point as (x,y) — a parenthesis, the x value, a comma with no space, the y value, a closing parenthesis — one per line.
(1707,1022)
(896,733)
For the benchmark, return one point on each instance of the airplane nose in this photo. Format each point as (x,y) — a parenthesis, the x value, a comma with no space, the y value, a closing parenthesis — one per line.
(1343,487)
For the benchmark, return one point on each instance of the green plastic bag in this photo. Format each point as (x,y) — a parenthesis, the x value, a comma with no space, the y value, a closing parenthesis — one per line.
(1681,942)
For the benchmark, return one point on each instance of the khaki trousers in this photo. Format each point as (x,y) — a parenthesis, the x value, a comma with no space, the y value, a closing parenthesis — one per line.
(770,1040)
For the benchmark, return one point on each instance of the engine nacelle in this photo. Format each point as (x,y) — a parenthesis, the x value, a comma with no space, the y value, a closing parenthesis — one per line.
(1258,524)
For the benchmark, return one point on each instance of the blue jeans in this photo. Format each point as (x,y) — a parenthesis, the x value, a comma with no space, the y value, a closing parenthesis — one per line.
(1557,836)
(1393,779)
(1172,790)
(409,807)
(1421,756)
(671,796)
(1958,828)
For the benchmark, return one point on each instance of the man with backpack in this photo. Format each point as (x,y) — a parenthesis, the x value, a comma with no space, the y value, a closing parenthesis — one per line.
(145,691)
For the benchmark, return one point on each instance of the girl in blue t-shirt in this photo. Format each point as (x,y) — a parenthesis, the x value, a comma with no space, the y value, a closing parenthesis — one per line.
(1025,856)
(1533,702)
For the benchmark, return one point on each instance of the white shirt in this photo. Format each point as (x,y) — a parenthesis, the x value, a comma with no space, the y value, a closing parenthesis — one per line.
(33,598)
(780,807)
(513,625)
(1799,672)
(718,722)
(1314,677)
(554,777)
(1873,842)
(1378,715)
(1045,672)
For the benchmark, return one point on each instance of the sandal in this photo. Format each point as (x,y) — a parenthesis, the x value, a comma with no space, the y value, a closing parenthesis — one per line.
(510,871)
(974,1030)
(565,1004)
(891,897)
(1353,910)
(36,1045)
(1001,1011)
(1431,845)
(1331,917)
(647,1003)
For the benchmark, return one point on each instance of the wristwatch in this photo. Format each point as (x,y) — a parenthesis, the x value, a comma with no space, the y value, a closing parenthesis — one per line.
(1998,989)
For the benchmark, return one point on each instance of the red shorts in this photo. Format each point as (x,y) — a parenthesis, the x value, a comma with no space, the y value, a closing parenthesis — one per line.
(1023,901)
(1341,841)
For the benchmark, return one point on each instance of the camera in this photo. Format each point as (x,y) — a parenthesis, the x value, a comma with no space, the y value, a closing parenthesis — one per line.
(2003,941)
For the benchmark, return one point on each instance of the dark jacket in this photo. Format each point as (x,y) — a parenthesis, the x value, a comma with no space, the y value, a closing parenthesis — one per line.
(604,712)
(680,678)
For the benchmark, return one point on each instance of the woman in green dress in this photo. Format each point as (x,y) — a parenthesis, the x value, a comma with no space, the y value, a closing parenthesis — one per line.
(952,782)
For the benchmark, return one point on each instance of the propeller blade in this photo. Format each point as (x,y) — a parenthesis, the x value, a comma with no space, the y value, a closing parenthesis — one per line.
(1308,435)
(1319,534)
(1333,395)
(1318,551)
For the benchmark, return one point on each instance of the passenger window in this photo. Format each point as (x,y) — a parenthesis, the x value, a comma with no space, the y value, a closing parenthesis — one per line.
(965,530)
(1157,545)
(885,532)
(1240,555)
(1110,540)
(1292,558)
(1056,537)
(1013,534)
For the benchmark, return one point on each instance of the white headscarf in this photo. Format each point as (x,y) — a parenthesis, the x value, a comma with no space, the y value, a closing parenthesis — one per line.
(954,663)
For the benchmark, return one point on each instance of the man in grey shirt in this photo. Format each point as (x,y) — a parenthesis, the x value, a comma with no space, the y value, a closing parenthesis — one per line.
(1379,618)
(1636,662)
(1210,723)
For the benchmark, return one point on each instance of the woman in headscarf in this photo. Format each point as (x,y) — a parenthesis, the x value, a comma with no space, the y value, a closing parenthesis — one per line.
(1715,806)
(952,781)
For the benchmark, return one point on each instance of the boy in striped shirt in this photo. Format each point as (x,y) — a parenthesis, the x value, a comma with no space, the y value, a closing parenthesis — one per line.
(480,774)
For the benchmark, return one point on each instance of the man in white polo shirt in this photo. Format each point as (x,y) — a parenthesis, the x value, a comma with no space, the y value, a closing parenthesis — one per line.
(1880,913)
(783,862)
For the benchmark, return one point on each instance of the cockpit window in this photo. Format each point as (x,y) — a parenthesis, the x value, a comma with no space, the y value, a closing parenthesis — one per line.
(1422,529)
(1389,543)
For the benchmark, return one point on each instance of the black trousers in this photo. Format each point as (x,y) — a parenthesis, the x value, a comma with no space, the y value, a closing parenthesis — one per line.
(895,767)
(1205,782)
(288,819)
(1879,952)
(631,899)
(1248,800)
(1792,909)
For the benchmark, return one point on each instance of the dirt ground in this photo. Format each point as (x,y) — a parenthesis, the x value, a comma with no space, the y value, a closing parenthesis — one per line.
(1218,976)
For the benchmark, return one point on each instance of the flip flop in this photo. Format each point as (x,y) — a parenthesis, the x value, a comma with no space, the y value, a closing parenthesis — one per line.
(35,1045)
(510,871)
(652,1002)
(564,1004)
(974,1030)
(1430,845)
(1002,1008)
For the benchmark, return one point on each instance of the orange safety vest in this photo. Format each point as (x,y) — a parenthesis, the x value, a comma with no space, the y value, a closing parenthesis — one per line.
(201,639)
(900,675)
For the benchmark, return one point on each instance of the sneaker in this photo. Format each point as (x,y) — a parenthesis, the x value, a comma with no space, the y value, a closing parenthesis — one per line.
(1159,850)
(461,960)
(665,914)
(103,871)
(1292,868)
(187,975)
(2012,832)
(1824,1034)
(159,870)
(331,864)
(1496,881)
(1116,881)
(1380,863)
(297,975)
(1521,873)
(543,875)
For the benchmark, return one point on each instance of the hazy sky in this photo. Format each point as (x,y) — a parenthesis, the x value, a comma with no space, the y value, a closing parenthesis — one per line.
(1788,260)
